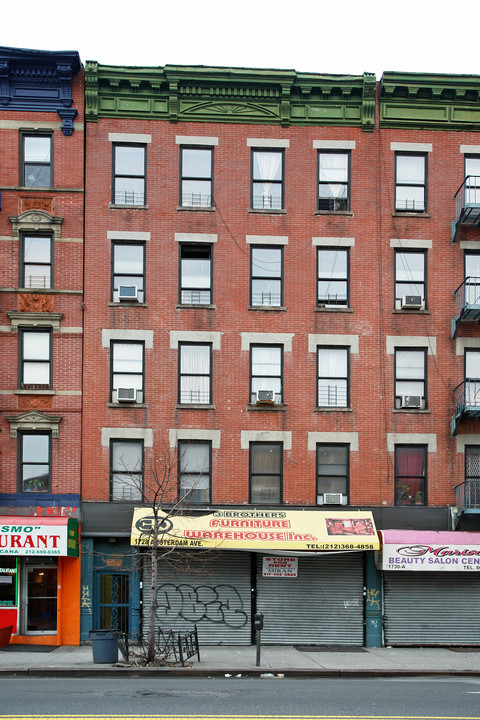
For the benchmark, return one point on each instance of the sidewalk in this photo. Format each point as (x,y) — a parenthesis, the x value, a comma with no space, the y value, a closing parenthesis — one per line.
(223,660)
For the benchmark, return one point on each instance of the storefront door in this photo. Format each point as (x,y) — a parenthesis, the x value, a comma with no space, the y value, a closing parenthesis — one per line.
(40,591)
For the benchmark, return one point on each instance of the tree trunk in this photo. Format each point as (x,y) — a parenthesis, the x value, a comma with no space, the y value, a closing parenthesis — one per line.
(153,594)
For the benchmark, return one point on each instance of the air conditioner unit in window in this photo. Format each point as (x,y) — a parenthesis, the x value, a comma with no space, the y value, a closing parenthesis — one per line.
(127,292)
(412,302)
(332,499)
(265,396)
(126,395)
(411,401)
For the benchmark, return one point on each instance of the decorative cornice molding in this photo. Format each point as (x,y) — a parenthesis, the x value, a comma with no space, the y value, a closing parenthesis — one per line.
(35,221)
(34,420)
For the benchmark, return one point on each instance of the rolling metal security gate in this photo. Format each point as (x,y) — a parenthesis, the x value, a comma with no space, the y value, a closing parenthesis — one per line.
(218,600)
(323,605)
(431,608)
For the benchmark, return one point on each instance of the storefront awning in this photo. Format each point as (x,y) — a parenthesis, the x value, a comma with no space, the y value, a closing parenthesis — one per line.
(258,530)
(430,550)
(37,536)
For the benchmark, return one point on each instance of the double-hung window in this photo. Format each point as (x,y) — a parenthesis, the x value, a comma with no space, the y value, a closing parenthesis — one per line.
(194,463)
(36,269)
(472,179)
(267,276)
(410,475)
(196,177)
(332,377)
(410,279)
(332,474)
(411,378)
(127,372)
(195,274)
(129,174)
(472,279)
(472,378)
(410,182)
(266,374)
(36,160)
(471,493)
(267,179)
(266,470)
(128,272)
(126,470)
(333,181)
(332,277)
(34,462)
(195,374)
(35,358)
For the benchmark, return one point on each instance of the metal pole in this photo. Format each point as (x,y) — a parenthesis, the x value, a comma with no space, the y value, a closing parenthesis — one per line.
(259,638)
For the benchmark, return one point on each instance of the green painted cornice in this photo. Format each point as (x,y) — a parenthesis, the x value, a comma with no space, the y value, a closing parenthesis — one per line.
(438,102)
(236,95)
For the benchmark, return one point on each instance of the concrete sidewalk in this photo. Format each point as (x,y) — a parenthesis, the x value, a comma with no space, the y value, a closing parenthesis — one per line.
(234,660)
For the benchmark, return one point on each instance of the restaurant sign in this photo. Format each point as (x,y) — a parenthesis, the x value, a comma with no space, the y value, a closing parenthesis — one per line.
(38,536)
(259,530)
(430,551)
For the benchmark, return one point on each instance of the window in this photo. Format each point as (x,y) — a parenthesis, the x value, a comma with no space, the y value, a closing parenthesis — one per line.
(332,474)
(196,170)
(34,463)
(410,279)
(126,464)
(195,274)
(332,378)
(332,277)
(472,179)
(410,378)
(265,473)
(472,378)
(129,174)
(127,372)
(410,182)
(194,459)
(36,261)
(410,475)
(266,374)
(35,359)
(472,278)
(472,476)
(36,167)
(195,380)
(267,179)
(266,274)
(333,181)
(128,270)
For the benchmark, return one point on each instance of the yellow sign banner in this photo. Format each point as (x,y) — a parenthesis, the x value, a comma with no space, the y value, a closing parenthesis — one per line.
(259,530)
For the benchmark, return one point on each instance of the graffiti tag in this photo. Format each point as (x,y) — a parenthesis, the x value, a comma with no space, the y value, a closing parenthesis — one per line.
(86,601)
(373,597)
(220,604)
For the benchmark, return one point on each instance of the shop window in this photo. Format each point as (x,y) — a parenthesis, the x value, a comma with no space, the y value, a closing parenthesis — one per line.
(410,475)
(410,378)
(194,461)
(267,179)
(35,359)
(196,177)
(332,377)
(266,374)
(334,181)
(8,581)
(36,160)
(126,464)
(266,470)
(332,277)
(128,272)
(195,274)
(195,379)
(410,182)
(129,175)
(267,276)
(410,280)
(127,372)
(332,474)
(36,252)
(34,462)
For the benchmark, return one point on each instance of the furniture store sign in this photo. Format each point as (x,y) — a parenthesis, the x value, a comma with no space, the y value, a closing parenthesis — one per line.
(38,536)
(453,558)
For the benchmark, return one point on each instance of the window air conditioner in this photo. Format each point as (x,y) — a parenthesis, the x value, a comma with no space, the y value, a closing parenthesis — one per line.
(332,499)
(411,401)
(265,396)
(412,302)
(126,395)
(127,292)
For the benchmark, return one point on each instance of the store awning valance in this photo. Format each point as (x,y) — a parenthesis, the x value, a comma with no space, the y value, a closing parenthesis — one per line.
(430,550)
(230,529)
(38,536)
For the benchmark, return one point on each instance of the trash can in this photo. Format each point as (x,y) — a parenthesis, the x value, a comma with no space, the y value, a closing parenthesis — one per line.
(104,646)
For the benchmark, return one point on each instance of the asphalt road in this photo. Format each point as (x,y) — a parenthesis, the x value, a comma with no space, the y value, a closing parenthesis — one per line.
(248,697)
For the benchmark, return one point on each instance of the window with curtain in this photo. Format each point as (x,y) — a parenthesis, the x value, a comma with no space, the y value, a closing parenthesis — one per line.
(410,182)
(265,473)
(128,274)
(127,370)
(333,181)
(409,276)
(196,177)
(332,471)
(194,462)
(266,283)
(410,378)
(267,179)
(266,370)
(195,274)
(195,379)
(332,280)
(410,475)
(332,377)
(126,470)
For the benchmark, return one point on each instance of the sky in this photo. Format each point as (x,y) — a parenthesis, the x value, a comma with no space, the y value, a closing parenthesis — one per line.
(335,37)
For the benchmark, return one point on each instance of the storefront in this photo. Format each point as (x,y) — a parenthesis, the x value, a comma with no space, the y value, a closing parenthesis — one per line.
(40,579)
(431,584)
(303,570)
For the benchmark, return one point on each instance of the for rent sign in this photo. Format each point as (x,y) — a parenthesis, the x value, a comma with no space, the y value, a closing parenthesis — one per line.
(38,536)
(426,551)
(280,567)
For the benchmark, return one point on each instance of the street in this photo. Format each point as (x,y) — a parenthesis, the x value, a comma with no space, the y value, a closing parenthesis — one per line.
(432,698)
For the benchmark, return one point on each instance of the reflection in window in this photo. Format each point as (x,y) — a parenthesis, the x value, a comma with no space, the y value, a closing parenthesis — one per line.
(333,181)
(197,174)
(37,161)
(36,270)
(409,276)
(34,465)
(127,371)
(266,373)
(410,385)
(332,471)
(129,174)
(267,276)
(195,274)
(128,272)
(265,473)
(127,470)
(194,471)
(410,189)
(332,283)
